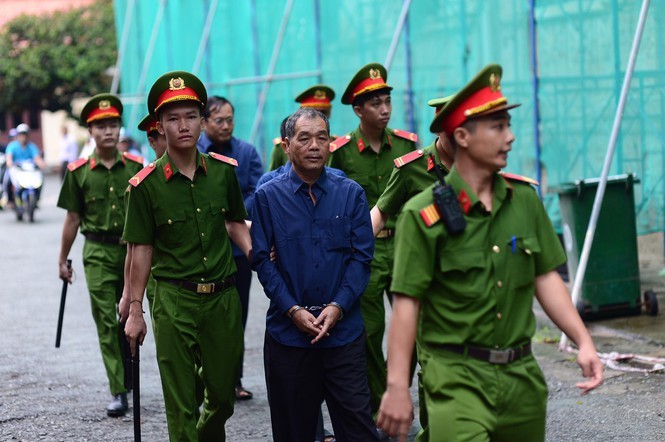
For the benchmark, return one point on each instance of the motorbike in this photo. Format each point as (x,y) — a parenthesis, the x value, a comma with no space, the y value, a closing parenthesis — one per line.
(3,168)
(29,181)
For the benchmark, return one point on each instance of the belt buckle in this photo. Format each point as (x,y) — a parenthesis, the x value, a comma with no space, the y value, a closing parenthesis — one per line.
(501,356)
(205,288)
(384,233)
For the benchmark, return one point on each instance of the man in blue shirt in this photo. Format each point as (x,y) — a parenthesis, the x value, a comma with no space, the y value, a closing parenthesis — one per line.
(314,349)
(17,152)
(218,138)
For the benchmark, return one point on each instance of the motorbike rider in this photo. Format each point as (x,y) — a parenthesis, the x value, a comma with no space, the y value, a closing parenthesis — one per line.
(19,151)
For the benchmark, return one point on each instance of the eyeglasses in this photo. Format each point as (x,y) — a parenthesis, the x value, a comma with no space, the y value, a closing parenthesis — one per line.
(221,121)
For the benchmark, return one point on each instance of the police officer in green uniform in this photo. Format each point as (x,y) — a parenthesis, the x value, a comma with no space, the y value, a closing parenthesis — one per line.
(318,97)
(467,290)
(157,142)
(366,156)
(183,211)
(93,193)
(412,173)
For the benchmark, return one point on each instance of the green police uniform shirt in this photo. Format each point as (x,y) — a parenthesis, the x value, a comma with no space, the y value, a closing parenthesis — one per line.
(410,179)
(97,194)
(278,157)
(184,220)
(369,169)
(477,287)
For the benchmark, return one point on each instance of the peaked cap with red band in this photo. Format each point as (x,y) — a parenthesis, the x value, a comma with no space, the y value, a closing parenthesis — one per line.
(317,97)
(438,103)
(481,96)
(176,86)
(148,124)
(369,78)
(101,107)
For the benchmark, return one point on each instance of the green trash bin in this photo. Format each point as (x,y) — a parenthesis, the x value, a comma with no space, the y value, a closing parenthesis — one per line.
(611,284)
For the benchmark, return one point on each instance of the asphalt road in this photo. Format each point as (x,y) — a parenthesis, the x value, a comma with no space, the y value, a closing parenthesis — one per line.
(60,394)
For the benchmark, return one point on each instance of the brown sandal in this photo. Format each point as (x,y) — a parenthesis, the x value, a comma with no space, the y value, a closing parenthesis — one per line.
(242,394)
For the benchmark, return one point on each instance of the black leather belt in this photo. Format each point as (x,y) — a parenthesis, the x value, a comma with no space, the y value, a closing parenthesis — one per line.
(490,355)
(104,239)
(204,288)
(385,233)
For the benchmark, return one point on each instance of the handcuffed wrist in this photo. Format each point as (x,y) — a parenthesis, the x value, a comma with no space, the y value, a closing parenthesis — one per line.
(341,310)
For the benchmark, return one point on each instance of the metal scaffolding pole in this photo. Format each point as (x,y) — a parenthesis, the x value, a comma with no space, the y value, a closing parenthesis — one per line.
(258,118)
(148,58)
(598,201)
(398,32)
(205,36)
(126,25)
(534,88)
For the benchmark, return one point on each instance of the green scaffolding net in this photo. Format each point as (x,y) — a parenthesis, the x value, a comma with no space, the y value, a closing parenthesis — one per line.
(261,53)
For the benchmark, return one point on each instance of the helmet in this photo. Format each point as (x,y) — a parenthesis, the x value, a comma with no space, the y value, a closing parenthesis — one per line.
(12,132)
(22,128)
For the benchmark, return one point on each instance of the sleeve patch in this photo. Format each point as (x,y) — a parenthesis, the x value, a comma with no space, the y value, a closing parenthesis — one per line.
(430,215)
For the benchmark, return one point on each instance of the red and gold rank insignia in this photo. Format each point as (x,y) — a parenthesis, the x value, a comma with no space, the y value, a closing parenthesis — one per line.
(495,82)
(409,157)
(143,173)
(515,177)
(339,142)
(406,135)
(319,94)
(134,158)
(374,74)
(176,84)
(224,159)
(464,201)
(430,215)
(76,164)
(104,104)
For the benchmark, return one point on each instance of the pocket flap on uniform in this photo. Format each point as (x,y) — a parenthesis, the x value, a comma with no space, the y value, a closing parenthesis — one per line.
(462,260)
(164,217)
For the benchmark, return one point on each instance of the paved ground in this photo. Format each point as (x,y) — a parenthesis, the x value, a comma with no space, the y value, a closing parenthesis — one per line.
(60,394)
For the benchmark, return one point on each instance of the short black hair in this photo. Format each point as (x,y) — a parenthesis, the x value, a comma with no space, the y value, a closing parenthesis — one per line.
(307,113)
(214,103)
(282,128)
(364,98)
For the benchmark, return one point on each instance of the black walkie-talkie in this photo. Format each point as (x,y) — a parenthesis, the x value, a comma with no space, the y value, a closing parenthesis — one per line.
(447,203)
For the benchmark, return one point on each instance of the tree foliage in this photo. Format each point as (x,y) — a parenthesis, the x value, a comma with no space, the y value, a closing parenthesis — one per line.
(48,60)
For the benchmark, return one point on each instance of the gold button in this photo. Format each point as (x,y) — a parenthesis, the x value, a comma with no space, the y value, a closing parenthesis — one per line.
(110,189)
(496,249)
(115,224)
(151,165)
(192,185)
(223,210)
(170,221)
(379,177)
(94,198)
(527,251)
(205,259)
(348,137)
(198,209)
(420,151)
(202,279)
(113,206)
(203,234)
(499,284)
(499,316)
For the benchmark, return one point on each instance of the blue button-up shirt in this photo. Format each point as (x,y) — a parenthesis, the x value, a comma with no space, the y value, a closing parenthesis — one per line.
(269,176)
(323,251)
(249,170)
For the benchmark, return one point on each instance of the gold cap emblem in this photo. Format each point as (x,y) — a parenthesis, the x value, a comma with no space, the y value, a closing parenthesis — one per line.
(319,94)
(374,74)
(495,82)
(104,104)
(176,84)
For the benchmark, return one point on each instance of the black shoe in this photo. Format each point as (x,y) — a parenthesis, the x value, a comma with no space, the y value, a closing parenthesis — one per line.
(118,407)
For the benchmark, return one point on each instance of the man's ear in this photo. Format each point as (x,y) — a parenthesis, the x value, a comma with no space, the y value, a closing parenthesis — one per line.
(358,110)
(461,135)
(160,129)
(203,124)
(286,145)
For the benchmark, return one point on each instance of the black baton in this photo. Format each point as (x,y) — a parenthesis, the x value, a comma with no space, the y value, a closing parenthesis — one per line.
(61,314)
(136,399)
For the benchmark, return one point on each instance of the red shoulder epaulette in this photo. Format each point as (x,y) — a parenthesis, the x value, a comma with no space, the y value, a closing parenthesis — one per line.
(430,215)
(76,164)
(139,177)
(515,177)
(223,158)
(406,159)
(276,141)
(406,135)
(339,142)
(135,158)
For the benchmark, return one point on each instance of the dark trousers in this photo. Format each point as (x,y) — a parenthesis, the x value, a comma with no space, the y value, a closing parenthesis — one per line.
(299,379)
(243,282)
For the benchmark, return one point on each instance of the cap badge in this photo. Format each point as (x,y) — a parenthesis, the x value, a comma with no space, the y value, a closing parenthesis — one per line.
(319,94)
(104,104)
(176,84)
(374,74)
(495,82)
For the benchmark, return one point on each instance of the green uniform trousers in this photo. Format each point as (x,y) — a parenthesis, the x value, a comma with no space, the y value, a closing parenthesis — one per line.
(468,400)
(104,266)
(374,318)
(197,330)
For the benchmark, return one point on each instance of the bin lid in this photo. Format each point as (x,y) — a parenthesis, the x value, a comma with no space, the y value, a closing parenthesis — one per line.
(593,182)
